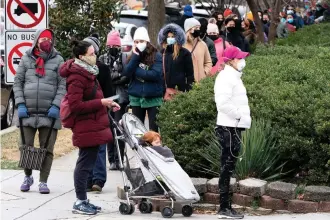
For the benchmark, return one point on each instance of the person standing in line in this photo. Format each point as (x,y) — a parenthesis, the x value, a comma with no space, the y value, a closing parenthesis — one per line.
(89,112)
(98,175)
(38,90)
(200,54)
(233,118)
(207,40)
(145,70)
(115,61)
(187,13)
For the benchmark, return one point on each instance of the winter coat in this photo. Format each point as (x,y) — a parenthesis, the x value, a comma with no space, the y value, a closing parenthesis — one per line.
(219,47)
(211,48)
(179,72)
(231,99)
(91,123)
(37,92)
(104,79)
(201,59)
(146,82)
(237,39)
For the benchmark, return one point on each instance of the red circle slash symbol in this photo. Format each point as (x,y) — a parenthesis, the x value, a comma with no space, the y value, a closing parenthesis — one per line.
(16,51)
(28,11)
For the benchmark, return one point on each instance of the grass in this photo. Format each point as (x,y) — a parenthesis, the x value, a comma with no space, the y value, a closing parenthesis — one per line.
(10,153)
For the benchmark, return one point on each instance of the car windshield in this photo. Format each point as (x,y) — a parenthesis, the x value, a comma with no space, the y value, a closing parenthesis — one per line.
(139,21)
(121,30)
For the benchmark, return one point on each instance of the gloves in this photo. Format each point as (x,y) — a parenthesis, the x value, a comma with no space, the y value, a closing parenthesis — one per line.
(22,111)
(54,112)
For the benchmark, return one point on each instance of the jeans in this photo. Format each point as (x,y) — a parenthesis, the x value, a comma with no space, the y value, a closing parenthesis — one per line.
(98,175)
(141,114)
(230,141)
(84,166)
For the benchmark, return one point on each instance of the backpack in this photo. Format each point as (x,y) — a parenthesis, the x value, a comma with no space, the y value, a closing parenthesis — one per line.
(67,117)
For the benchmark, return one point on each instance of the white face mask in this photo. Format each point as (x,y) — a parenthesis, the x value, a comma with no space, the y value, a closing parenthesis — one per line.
(241,65)
(141,46)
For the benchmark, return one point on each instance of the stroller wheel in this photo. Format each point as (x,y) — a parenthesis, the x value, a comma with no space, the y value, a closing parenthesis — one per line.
(187,210)
(167,212)
(126,209)
(145,207)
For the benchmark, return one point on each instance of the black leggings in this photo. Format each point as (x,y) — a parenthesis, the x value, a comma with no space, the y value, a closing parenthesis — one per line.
(84,166)
(152,113)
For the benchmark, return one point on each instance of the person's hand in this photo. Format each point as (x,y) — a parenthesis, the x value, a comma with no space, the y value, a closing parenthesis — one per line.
(115,106)
(22,111)
(107,102)
(135,51)
(54,112)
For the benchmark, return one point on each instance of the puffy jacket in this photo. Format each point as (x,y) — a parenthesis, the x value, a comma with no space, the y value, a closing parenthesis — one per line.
(210,45)
(91,123)
(145,83)
(36,92)
(231,99)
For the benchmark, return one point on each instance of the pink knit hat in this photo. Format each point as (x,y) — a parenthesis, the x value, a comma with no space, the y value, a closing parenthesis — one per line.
(113,39)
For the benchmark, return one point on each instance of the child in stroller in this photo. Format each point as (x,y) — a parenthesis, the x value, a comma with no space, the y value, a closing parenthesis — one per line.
(154,141)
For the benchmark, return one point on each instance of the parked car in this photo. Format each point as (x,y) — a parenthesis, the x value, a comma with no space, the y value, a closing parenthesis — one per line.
(126,31)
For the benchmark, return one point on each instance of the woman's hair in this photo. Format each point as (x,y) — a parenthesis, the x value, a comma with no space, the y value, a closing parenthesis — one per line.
(79,48)
(150,136)
(149,55)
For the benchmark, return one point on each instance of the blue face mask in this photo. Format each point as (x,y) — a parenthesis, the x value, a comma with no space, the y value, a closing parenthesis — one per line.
(171,41)
(307,7)
(290,20)
(283,20)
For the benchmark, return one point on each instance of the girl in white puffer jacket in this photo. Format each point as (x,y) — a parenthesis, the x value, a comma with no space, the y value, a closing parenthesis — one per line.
(233,117)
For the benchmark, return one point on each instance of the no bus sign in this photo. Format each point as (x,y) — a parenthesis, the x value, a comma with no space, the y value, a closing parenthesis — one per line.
(17,43)
(25,14)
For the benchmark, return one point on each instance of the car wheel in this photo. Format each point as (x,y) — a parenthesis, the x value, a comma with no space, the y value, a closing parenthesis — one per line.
(10,111)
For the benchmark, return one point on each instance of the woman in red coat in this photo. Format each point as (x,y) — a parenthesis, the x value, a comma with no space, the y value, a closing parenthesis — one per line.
(91,127)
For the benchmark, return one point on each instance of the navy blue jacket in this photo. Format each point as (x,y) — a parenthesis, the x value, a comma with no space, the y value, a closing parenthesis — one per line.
(145,83)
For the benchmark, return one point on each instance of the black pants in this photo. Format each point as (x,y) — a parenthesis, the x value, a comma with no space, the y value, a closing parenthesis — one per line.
(230,141)
(112,149)
(84,166)
(152,113)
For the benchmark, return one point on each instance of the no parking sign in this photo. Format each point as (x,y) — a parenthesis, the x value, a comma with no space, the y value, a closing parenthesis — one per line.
(17,43)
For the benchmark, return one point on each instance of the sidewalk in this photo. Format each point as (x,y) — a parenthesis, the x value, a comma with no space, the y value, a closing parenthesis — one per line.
(58,204)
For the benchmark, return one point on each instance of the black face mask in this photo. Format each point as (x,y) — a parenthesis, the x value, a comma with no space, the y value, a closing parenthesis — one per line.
(219,23)
(265,21)
(196,33)
(213,37)
(231,29)
(114,51)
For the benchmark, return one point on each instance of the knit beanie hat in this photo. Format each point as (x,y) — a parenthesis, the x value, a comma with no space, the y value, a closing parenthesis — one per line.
(113,39)
(46,33)
(190,23)
(141,34)
(212,28)
(95,42)
(187,11)
(227,12)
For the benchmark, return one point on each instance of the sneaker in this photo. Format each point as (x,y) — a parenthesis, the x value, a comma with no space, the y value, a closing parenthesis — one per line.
(83,208)
(96,188)
(97,208)
(43,188)
(113,166)
(28,181)
(229,214)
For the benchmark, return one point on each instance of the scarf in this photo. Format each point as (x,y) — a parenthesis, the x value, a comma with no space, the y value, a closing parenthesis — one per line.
(40,62)
(94,70)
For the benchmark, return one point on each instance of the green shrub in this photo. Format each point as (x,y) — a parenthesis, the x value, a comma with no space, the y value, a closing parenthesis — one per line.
(287,85)
(259,156)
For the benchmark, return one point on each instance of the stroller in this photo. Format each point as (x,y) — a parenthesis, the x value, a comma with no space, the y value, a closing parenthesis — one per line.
(150,176)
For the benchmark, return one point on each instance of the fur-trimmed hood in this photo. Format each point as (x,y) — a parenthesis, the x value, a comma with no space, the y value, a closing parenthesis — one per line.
(178,32)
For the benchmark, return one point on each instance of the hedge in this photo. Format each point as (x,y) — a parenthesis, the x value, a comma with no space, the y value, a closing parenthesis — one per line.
(288,85)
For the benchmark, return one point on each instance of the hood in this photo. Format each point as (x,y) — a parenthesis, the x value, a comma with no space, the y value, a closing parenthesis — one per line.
(178,32)
(69,67)
(53,53)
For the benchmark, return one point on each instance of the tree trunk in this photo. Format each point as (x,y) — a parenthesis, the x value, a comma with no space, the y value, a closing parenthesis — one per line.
(266,3)
(156,19)
(274,21)
(254,8)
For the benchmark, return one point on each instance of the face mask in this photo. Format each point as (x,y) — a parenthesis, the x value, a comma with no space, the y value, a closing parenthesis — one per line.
(241,65)
(46,46)
(230,29)
(196,33)
(213,37)
(289,12)
(114,52)
(170,40)
(219,23)
(141,46)
(290,20)
(307,6)
(265,21)
(283,20)
(91,60)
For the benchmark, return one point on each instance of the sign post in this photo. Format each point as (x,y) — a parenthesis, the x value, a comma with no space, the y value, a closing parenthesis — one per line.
(17,43)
